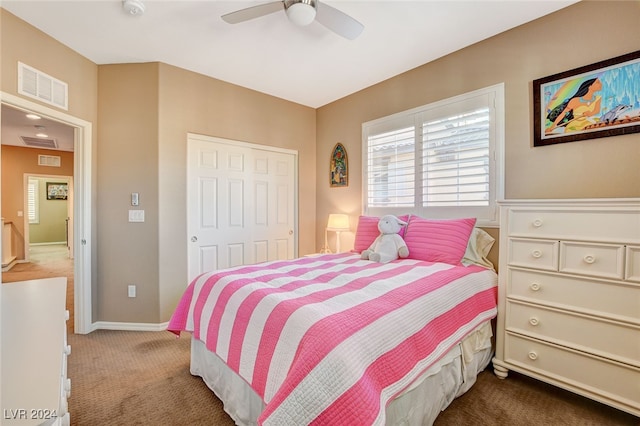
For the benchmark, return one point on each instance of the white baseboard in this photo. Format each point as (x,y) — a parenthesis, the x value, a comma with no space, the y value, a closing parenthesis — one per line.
(129,326)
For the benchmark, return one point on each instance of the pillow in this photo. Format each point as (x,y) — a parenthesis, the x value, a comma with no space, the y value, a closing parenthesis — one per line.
(438,240)
(367,231)
(480,243)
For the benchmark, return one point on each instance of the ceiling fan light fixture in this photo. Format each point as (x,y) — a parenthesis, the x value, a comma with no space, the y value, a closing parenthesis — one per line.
(302,13)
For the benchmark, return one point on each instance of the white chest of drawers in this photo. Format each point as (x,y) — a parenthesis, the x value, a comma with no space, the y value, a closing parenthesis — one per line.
(569,296)
(35,386)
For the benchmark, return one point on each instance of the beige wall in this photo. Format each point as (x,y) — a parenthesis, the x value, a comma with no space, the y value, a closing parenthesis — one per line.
(145,112)
(558,42)
(127,162)
(20,42)
(16,161)
(190,102)
(147,109)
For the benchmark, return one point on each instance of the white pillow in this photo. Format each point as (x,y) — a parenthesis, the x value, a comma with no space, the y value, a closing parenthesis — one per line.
(480,243)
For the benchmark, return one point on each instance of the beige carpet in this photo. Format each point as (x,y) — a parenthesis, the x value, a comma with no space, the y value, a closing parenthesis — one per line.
(142,378)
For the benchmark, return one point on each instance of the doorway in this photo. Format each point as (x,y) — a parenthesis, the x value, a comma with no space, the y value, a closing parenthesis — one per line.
(80,231)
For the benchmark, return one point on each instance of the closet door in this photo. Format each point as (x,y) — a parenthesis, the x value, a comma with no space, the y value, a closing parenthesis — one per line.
(241,202)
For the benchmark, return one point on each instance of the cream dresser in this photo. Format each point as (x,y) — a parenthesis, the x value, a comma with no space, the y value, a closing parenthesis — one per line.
(34,348)
(569,296)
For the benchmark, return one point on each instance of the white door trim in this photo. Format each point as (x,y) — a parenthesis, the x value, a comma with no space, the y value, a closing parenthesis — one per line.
(82,231)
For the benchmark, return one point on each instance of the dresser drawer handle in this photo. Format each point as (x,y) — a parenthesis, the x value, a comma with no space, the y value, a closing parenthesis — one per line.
(537,223)
(534,286)
(536,254)
(589,259)
(533,355)
(534,321)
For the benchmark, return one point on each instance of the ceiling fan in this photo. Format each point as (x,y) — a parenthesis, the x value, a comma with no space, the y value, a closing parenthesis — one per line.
(302,12)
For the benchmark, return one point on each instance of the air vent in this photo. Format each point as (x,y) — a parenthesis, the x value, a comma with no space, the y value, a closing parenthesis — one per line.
(41,86)
(39,142)
(49,160)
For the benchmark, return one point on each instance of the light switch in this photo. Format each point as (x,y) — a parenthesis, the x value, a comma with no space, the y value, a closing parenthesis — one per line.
(136,215)
(134,199)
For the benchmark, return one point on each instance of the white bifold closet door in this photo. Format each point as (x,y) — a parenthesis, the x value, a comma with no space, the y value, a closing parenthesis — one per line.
(241,204)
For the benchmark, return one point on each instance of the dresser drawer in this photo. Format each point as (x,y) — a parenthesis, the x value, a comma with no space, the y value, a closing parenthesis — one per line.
(612,299)
(538,254)
(598,260)
(607,379)
(633,264)
(598,224)
(604,338)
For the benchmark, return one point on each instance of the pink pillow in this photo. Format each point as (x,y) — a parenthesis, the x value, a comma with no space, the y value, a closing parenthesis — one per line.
(367,231)
(438,240)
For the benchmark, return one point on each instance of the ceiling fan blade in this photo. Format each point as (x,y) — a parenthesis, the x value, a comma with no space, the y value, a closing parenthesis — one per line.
(338,22)
(253,12)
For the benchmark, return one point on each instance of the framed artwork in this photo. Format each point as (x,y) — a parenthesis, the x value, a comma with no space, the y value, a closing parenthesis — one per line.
(594,101)
(57,190)
(339,167)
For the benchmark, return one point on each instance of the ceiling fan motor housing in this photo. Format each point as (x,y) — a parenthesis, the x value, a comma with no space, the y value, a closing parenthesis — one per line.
(300,12)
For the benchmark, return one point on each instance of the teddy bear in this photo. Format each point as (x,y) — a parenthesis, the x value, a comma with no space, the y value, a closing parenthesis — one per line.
(389,245)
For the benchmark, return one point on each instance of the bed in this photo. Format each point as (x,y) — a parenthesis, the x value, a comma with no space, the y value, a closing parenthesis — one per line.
(334,339)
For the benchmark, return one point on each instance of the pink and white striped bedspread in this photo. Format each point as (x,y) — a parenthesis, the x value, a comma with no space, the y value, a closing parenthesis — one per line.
(331,339)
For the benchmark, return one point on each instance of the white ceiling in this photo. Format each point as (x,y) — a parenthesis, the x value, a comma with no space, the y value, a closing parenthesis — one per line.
(308,65)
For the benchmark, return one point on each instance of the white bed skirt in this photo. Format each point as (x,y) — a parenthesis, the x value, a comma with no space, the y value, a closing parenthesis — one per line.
(419,404)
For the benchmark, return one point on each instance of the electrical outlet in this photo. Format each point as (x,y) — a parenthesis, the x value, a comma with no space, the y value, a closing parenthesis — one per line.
(132,290)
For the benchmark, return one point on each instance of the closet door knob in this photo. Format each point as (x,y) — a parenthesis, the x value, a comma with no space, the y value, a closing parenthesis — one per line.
(194,239)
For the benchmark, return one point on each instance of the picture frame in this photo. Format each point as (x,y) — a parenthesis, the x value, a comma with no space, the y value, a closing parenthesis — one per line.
(57,190)
(339,167)
(593,101)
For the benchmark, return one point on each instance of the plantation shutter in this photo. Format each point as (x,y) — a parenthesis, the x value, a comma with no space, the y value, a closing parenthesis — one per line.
(32,201)
(441,160)
(391,165)
(455,159)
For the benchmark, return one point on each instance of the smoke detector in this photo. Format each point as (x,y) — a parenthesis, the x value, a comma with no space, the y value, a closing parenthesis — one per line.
(133,7)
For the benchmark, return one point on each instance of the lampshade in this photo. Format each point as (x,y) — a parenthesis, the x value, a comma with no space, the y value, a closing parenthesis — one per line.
(302,13)
(338,222)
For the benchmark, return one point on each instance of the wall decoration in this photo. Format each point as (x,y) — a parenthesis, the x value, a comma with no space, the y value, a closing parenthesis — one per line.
(594,101)
(339,166)
(57,190)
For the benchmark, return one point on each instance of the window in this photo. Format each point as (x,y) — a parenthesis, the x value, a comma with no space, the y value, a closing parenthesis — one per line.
(33,210)
(441,160)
